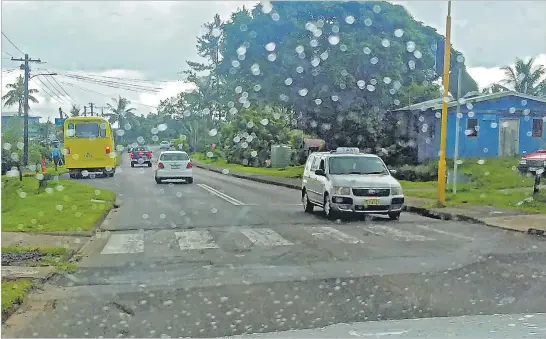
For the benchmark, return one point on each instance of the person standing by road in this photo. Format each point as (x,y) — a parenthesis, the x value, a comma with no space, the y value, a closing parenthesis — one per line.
(56,155)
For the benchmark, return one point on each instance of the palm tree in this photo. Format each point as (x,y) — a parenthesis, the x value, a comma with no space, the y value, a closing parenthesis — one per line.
(75,111)
(16,95)
(119,111)
(525,77)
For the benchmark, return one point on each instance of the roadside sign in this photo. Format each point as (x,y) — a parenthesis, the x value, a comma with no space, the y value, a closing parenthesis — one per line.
(59,121)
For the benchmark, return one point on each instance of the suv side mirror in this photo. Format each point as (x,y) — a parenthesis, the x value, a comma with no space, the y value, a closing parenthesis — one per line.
(320,172)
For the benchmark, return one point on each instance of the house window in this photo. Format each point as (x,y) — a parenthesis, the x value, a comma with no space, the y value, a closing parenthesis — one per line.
(471,128)
(538,128)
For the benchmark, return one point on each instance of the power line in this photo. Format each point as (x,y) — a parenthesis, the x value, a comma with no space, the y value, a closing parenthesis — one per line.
(99,93)
(118,78)
(112,82)
(11,42)
(44,86)
(117,85)
(58,93)
(9,54)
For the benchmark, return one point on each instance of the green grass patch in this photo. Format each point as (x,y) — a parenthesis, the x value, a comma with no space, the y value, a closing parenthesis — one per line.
(54,256)
(287,172)
(495,173)
(13,292)
(63,205)
(520,200)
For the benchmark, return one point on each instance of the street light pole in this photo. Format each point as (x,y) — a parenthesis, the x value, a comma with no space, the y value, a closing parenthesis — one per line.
(457,126)
(443,134)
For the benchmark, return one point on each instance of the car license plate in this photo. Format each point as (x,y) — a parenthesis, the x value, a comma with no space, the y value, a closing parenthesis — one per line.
(533,169)
(371,201)
(175,167)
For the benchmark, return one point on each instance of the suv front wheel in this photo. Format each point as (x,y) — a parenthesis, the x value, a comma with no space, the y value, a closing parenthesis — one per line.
(394,215)
(307,205)
(328,212)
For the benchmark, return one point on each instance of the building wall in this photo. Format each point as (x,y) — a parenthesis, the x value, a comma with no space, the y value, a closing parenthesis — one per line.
(10,122)
(489,114)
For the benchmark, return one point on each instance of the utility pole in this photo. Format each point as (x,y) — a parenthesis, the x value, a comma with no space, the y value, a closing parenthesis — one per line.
(443,132)
(84,111)
(457,127)
(91,105)
(26,68)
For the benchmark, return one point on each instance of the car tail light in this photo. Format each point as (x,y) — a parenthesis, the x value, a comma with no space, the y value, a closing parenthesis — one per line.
(67,151)
(149,154)
(160,165)
(107,149)
(132,154)
(189,165)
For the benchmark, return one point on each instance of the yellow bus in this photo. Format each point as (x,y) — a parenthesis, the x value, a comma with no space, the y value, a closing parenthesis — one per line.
(89,147)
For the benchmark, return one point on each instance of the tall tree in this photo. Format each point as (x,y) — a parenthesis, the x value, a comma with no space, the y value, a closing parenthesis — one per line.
(526,77)
(16,95)
(75,111)
(120,111)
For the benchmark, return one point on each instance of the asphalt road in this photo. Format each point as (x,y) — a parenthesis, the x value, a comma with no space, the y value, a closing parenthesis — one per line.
(226,256)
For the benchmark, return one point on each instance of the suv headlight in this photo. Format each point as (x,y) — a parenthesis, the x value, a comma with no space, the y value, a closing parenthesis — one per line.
(396,190)
(342,190)
(523,162)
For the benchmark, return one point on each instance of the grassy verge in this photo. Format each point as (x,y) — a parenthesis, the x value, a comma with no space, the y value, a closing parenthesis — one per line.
(288,172)
(63,205)
(13,292)
(51,256)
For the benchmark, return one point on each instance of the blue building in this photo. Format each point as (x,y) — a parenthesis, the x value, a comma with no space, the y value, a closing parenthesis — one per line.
(12,120)
(493,125)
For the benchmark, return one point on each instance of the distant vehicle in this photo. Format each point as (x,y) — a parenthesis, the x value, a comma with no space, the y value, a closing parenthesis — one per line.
(164,144)
(89,146)
(347,181)
(532,162)
(141,155)
(174,165)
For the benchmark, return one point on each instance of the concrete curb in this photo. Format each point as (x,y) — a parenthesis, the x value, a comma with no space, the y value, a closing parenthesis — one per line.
(407,208)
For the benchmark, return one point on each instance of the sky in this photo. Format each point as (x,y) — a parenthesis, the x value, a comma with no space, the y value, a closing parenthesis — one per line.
(117,41)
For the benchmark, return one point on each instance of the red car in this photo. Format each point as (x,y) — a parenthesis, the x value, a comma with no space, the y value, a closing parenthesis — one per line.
(533,161)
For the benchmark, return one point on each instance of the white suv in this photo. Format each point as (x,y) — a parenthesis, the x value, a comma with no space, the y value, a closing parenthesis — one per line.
(348,181)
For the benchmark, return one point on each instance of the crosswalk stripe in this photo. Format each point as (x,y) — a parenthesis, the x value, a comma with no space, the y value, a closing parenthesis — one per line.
(191,240)
(396,233)
(455,235)
(124,243)
(326,232)
(265,237)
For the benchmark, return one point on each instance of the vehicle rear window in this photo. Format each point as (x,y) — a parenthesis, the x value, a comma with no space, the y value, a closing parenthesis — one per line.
(140,149)
(174,157)
(87,130)
(356,165)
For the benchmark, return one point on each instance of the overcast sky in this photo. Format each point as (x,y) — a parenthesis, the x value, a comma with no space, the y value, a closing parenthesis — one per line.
(152,40)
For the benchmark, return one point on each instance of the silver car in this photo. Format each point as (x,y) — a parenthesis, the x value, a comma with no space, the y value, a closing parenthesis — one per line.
(346,180)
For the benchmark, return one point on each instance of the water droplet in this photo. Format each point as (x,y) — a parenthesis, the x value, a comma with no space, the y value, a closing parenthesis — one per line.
(333,39)
(398,32)
(350,19)
(213,132)
(385,43)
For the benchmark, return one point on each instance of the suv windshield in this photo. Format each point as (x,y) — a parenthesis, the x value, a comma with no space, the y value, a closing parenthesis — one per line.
(356,165)
(174,156)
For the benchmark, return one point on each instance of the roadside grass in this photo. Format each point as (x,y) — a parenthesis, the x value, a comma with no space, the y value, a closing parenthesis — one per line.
(52,256)
(520,200)
(287,172)
(13,292)
(495,173)
(63,205)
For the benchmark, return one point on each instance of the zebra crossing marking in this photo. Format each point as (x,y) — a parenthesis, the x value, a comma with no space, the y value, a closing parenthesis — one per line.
(124,243)
(265,237)
(395,233)
(326,232)
(192,240)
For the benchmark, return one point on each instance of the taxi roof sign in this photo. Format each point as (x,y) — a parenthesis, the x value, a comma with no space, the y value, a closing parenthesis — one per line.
(348,150)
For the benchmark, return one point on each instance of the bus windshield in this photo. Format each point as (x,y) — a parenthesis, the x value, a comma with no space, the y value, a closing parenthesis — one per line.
(86,130)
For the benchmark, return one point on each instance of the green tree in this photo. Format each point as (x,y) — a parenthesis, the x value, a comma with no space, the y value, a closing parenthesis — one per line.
(16,95)
(120,112)
(526,77)
(75,111)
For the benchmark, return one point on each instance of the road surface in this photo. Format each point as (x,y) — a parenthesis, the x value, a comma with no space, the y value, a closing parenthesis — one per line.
(225,256)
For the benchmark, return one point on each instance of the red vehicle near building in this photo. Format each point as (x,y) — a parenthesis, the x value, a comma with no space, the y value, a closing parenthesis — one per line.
(532,162)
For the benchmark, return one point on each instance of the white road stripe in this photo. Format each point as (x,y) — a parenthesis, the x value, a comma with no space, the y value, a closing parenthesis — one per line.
(265,237)
(454,235)
(192,240)
(219,194)
(396,233)
(124,243)
(326,232)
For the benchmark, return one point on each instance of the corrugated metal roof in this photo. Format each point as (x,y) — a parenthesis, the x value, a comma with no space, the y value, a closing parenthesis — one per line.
(14,114)
(436,104)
